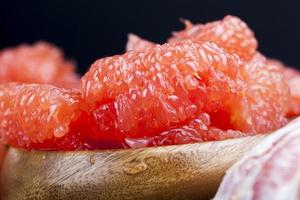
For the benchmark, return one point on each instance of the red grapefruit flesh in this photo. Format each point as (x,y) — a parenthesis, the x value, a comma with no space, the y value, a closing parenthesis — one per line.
(164,87)
(158,94)
(170,94)
(266,96)
(292,77)
(45,117)
(32,113)
(39,63)
(230,33)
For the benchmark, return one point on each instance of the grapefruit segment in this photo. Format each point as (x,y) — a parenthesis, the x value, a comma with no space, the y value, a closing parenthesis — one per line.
(230,33)
(156,95)
(265,96)
(292,77)
(32,113)
(164,87)
(41,62)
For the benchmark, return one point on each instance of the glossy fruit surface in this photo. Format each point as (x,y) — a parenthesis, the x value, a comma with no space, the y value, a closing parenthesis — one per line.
(32,112)
(179,92)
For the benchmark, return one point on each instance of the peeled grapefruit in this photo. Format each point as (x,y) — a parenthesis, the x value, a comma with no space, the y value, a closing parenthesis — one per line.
(37,63)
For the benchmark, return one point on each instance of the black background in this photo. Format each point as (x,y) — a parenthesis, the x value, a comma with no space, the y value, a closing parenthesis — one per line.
(88,30)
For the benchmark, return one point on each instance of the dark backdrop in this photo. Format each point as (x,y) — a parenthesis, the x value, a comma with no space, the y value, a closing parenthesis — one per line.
(87,30)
